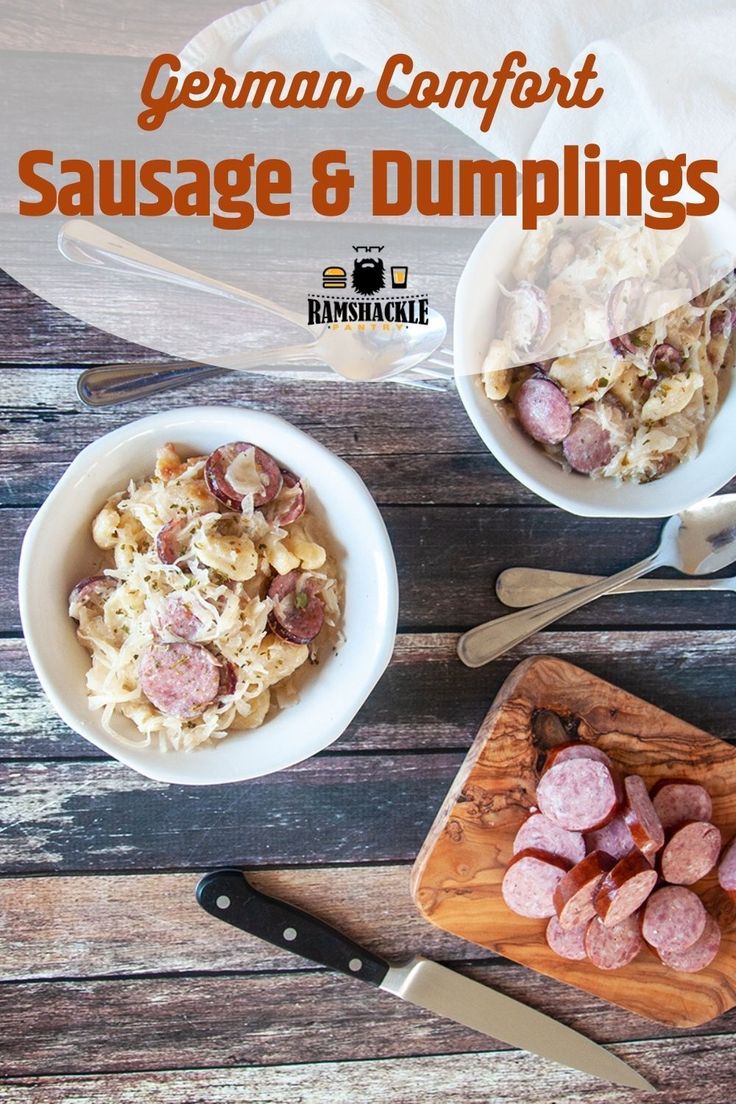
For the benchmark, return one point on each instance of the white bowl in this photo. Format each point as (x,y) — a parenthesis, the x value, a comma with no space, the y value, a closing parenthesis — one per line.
(475,307)
(58,551)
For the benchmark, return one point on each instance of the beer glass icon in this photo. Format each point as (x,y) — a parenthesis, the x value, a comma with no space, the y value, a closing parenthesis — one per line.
(399,274)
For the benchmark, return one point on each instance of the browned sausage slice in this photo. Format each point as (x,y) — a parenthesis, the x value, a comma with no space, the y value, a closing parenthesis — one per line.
(691,852)
(180,679)
(624,889)
(543,410)
(575,750)
(700,955)
(218,466)
(674,919)
(614,838)
(529,883)
(566,942)
(541,834)
(677,802)
(612,948)
(169,546)
(297,614)
(579,795)
(575,892)
(588,446)
(727,870)
(289,503)
(641,817)
(228,678)
(90,593)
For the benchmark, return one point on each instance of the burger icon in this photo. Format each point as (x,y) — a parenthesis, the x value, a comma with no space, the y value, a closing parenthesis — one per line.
(334,278)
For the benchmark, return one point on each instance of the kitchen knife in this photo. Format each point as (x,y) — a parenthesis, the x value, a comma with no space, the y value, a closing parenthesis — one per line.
(228,895)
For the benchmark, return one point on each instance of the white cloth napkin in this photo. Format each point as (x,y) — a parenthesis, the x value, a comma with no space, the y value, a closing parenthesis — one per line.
(666,66)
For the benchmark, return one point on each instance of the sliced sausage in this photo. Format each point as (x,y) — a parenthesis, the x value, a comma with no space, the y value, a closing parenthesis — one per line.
(674,919)
(727,870)
(588,446)
(624,889)
(297,614)
(575,750)
(614,838)
(529,883)
(169,546)
(612,948)
(177,619)
(691,852)
(641,817)
(566,942)
(700,955)
(579,795)
(676,802)
(90,593)
(180,679)
(228,679)
(541,834)
(216,475)
(543,410)
(575,892)
(290,501)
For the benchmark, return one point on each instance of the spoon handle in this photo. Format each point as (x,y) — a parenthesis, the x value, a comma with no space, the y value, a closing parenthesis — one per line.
(107,384)
(521,587)
(486,642)
(88,244)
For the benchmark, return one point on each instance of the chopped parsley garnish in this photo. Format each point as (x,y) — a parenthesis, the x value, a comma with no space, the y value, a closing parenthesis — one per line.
(301,599)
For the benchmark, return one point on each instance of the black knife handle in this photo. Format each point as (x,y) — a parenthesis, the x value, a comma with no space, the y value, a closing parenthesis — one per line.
(228,895)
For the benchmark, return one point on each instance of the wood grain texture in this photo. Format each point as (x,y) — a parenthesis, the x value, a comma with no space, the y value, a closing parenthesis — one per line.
(456,880)
(264,1019)
(83,26)
(447,700)
(428,541)
(679,1067)
(82,816)
(60,926)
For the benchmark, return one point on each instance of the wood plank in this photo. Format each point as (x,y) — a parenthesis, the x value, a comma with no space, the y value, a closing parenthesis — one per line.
(265,1019)
(470,546)
(446,701)
(79,816)
(683,1069)
(60,926)
(136,29)
(374,427)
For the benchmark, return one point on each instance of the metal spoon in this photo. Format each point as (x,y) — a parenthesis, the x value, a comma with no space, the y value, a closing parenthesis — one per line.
(107,384)
(520,587)
(698,541)
(355,354)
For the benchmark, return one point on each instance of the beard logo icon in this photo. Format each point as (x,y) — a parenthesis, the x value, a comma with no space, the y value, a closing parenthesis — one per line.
(366,302)
(368,274)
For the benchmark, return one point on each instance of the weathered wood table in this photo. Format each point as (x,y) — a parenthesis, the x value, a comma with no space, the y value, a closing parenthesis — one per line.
(116,987)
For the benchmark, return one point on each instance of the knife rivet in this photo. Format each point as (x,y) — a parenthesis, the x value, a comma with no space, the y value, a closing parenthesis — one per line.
(223,902)
(355,964)
(290,934)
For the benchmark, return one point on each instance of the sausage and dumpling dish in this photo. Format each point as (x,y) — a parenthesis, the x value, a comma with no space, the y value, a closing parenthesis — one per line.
(221,588)
(637,404)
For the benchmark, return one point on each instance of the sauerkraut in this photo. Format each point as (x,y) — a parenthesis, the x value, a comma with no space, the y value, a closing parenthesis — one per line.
(188,575)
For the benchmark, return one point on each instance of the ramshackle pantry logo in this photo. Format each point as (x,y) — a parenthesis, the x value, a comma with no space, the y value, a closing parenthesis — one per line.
(375,295)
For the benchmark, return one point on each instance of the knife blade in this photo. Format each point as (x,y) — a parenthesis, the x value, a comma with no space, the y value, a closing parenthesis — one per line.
(227,895)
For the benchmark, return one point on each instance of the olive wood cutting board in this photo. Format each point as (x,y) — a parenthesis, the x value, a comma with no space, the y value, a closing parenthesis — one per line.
(456,879)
